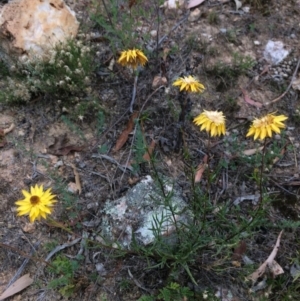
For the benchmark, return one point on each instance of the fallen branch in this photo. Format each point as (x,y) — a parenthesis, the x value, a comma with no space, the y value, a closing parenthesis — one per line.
(270,262)
(61,247)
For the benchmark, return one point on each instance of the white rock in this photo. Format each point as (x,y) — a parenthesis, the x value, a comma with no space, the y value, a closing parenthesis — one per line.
(173,4)
(275,52)
(256,43)
(195,15)
(153,33)
(31,27)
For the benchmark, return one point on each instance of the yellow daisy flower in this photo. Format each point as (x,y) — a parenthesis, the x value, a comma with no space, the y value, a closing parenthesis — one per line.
(211,121)
(132,58)
(38,203)
(189,84)
(263,127)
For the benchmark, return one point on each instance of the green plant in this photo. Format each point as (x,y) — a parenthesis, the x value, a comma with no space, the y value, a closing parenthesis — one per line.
(65,270)
(73,127)
(228,73)
(213,17)
(120,25)
(65,71)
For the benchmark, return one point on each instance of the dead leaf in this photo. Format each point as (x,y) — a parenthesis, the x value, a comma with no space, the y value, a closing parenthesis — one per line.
(150,150)
(166,52)
(159,81)
(131,3)
(200,169)
(252,151)
(124,135)
(239,251)
(275,268)
(250,101)
(60,147)
(6,131)
(29,228)
(2,138)
(133,181)
(77,179)
(194,3)
(16,287)
(268,263)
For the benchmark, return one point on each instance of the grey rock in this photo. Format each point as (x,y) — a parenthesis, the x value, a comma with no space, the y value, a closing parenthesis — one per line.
(140,211)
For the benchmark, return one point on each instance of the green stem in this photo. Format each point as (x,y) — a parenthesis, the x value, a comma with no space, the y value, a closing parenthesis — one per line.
(261,172)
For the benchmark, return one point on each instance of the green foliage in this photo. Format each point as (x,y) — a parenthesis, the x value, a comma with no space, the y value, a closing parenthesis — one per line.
(228,73)
(120,25)
(173,292)
(73,127)
(213,17)
(65,71)
(64,269)
(49,246)
(139,146)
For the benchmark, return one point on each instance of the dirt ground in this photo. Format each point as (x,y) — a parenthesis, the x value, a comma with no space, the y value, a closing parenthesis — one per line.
(31,157)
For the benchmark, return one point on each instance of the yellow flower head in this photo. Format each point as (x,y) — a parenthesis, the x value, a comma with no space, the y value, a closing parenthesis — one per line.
(189,84)
(38,203)
(211,121)
(132,58)
(263,127)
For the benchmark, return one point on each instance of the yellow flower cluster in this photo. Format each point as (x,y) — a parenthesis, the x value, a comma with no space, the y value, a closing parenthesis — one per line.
(132,58)
(214,123)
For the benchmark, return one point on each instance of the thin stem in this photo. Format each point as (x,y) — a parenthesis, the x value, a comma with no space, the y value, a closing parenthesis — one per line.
(109,18)
(208,170)
(261,172)
(257,210)
(208,186)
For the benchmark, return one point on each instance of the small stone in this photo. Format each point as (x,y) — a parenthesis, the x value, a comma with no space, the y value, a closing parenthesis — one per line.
(195,15)
(292,36)
(153,33)
(288,70)
(92,205)
(246,9)
(256,43)
(29,228)
(285,75)
(223,30)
